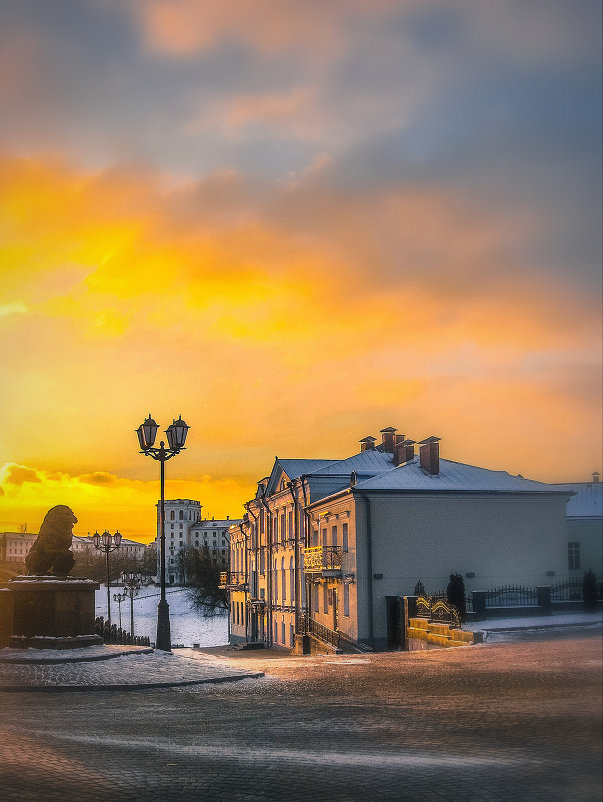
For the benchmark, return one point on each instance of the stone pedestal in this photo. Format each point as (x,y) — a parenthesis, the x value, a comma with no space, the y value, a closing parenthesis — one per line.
(52,612)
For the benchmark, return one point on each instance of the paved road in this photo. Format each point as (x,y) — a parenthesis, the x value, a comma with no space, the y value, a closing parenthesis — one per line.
(505,721)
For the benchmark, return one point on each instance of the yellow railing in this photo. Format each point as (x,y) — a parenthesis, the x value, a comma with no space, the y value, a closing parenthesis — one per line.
(322,558)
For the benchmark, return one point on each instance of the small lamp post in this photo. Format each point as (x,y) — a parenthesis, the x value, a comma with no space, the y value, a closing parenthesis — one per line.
(119,598)
(132,583)
(107,543)
(176,435)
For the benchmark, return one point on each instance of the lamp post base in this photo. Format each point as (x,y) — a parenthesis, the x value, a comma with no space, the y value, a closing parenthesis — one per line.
(163,641)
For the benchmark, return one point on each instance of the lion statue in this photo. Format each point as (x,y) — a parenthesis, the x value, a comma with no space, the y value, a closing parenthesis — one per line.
(51,552)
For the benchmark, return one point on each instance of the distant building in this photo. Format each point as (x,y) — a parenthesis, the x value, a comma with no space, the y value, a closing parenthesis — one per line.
(128,548)
(585,527)
(185,528)
(14,546)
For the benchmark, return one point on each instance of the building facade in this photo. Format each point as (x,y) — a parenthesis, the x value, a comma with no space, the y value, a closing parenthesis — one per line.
(185,528)
(585,527)
(14,546)
(325,543)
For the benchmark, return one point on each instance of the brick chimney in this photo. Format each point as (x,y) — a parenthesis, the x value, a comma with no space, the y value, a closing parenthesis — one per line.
(404,450)
(429,455)
(367,443)
(387,439)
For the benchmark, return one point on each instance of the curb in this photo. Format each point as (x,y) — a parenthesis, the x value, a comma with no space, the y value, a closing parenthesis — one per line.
(577,625)
(48,661)
(144,686)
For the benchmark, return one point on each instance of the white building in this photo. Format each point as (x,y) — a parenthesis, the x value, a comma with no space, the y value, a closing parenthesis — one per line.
(185,528)
(15,546)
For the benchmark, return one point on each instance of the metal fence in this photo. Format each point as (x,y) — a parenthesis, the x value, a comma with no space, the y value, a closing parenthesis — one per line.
(569,590)
(117,635)
(511,596)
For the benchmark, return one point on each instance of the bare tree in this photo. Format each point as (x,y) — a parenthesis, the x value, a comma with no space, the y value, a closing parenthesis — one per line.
(202,571)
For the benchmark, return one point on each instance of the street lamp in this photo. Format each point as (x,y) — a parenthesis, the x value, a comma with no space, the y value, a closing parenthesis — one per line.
(107,543)
(132,583)
(176,435)
(119,598)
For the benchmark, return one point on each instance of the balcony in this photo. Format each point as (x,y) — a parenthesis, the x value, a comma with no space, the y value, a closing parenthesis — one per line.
(324,560)
(233,580)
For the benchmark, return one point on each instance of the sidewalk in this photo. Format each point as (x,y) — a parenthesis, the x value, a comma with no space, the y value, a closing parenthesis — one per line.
(564,620)
(107,668)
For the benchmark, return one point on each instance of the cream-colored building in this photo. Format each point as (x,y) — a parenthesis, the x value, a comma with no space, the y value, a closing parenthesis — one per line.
(15,546)
(185,528)
(324,543)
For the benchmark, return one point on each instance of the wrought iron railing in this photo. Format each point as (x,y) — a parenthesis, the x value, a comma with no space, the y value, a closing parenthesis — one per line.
(569,590)
(512,596)
(322,558)
(232,579)
(438,609)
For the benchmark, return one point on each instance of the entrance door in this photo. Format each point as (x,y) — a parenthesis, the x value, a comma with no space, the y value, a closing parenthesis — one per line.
(335,616)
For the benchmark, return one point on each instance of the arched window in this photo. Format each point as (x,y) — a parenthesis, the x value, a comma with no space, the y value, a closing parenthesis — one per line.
(283,582)
(172,515)
(181,516)
(275,581)
(291,581)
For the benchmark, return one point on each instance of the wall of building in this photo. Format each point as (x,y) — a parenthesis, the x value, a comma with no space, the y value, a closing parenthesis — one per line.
(588,532)
(500,539)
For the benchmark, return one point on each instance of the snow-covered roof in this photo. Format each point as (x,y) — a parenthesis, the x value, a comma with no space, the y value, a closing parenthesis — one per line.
(366,462)
(294,468)
(587,501)
(454,476)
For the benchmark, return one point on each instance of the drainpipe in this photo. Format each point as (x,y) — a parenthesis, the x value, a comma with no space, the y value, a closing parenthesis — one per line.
(242,528)
(306,543)
(369,564)
(269,567)
(257,538)
(297,581)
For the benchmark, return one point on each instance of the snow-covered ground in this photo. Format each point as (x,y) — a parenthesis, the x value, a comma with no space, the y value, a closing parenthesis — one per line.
(188,625)
(536,622)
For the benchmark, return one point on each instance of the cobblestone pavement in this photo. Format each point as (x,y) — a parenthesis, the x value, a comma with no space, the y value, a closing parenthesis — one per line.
(135,670)
(504,721)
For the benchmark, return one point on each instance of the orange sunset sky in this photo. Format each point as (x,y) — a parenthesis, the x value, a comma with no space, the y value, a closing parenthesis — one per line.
(294,223)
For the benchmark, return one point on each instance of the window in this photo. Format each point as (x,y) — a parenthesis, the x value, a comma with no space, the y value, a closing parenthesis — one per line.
(180,526)
(325,600)
(181,516)
(291,581)
(324,537)
(333,535)
(344,535)
(275,581)
(283,631)
(346,598)
(573,555)
(283,534)
(172,515)
(290,525)
(315,598)
(283,583)
(291,636)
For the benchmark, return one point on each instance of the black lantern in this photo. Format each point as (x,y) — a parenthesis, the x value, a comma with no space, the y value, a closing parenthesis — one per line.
(96,539)
(176,434)
(106,538)
(117,538)
(147,432)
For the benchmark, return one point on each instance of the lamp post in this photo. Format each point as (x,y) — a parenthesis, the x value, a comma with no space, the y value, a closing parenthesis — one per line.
(107,543)
(119,598)
(176,435)
(132,583)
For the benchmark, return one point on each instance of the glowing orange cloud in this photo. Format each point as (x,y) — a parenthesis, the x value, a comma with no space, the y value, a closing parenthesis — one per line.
(275,321)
